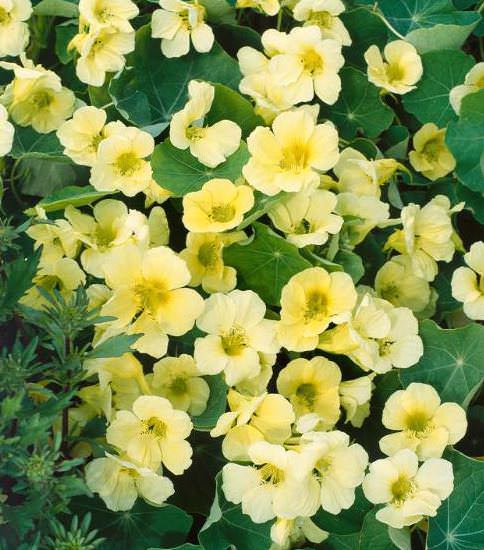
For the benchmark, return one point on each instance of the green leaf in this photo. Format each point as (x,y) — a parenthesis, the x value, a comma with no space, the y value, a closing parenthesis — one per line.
(266,263)
(114,346)
(465,139)
(458,523)
(219,11)
(451,363)
(19,279)
(186,546)
(215,406)
(395,142)
(141,527)
(27,143)
(352,264)
(227,525)
(70,195)
(181,173)
(366,28)
(64,33)
(443,69)
(154,87)
(359,107)
(60,8)
(474,202)
(230,105)
(234,37)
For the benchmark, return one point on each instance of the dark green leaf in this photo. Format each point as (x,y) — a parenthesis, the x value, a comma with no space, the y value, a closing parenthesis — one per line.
(71,195)
(28,143)
(114,346)
(215,406)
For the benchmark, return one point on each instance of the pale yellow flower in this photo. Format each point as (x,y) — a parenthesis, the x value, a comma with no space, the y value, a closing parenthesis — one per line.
(204,259)
(82,134)
(179,22)
(324,14)
(312,387)
(125,367)
(36,97)
(112,225)
(211,145)
(218,206)
(108,13)
(269,7)
(95,401)
(6,132)
(14,29)
(119,482)
(422,423)
(474,81)
(290,157)
(409,493)
(179,380)
(431,156)
(307,218)
(236,332)
(310,301)
(121,163)
(355,398)
(398,71)
(468,282)
(279,484)
(153,433)
(101,51)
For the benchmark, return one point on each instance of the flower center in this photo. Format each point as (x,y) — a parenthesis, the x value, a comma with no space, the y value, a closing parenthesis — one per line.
(294,158)
(5,16)
(151,296)
(323,466)
(312,61)
(418,422)
(194,133)
(307,394)
(384,347)
(95,141)
(432,149)
(391,293)
(42,99)
(302,228)
(395,72)
(127,164)
(208,254)
(104,236)
(271,474)
(222,213)
(402,489)
(179,386)
(154,426)
(321,18)
(234,341)
(315,306)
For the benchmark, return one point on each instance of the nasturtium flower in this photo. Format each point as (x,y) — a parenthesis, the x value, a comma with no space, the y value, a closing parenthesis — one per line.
(356,174)
(101,51)
(398,71)
(431,155)
(121,163)
(310,301)
(290,156)
(64,275)
(312,387)
(211,145)
(36,97)
(307,217)
(112,225)
(82,134)
(96,401)
(292,533)
(309,62)
(278,484)
(408,492)
(397,283)
(14,29)
(179,22)
(148,286)
(468,282)
(236,332)
(324,14)
(204,258)
(355,398)
(179,380)
(6,132)
(119,482)
(361,214)
(474,81)
(153,433)
(108,13)
(427,235)
(338,466)
(257,385)
(269,7)
(266,417)
(422,424)
(219,206)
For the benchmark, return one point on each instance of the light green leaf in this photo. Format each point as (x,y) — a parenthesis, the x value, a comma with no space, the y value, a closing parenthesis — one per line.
(154,87)
(266,263)
(215,406)
(359,107)
(60,8)
(465,139)
(227,525)
(451,363)
(351,263)
(443,69)
(114,346)
(458,523)
(71,195)
(181,173)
